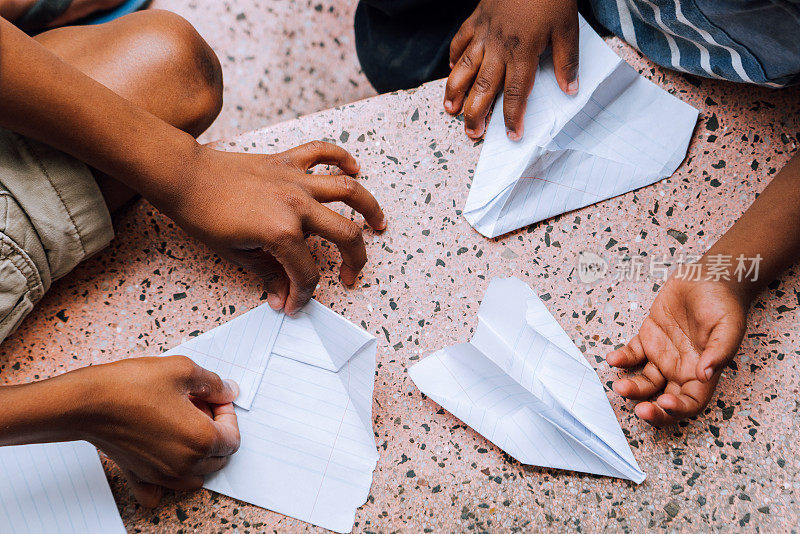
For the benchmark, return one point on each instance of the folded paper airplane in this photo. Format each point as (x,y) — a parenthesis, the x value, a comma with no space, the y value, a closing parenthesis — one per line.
(304,411)
(619,133)
(523,384)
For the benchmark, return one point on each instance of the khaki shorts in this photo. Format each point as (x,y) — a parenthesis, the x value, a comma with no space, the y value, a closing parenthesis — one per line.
(52,217)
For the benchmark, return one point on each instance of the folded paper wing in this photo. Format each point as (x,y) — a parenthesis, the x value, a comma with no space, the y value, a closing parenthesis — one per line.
(619,133)
(308,449)
(523,384)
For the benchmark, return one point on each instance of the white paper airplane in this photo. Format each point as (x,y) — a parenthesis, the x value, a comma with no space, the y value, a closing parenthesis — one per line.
(619,133)
(523,384)
(308,449)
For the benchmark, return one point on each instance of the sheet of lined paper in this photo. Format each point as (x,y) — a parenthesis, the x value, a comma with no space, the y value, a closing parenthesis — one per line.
(55,487)
(238,350)
(307,450)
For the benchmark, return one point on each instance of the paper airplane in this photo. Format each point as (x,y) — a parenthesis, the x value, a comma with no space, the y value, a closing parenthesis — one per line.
(308,449)
(619,133)
(523,384)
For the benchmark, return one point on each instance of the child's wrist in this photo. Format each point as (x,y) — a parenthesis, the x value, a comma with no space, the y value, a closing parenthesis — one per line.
(159,167)
(731,272)
(55,409)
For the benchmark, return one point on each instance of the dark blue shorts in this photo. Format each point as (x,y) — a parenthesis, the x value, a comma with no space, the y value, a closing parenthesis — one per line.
(404,43)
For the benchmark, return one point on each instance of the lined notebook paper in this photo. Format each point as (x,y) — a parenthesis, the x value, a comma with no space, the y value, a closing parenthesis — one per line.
(523,384)
(619,133)
(238,350)
(55,487)
(308,449)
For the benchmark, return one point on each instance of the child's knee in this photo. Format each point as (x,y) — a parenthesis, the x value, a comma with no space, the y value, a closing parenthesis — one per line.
(180,51)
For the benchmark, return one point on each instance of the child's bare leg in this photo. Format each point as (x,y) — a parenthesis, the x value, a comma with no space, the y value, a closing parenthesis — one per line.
(154,59)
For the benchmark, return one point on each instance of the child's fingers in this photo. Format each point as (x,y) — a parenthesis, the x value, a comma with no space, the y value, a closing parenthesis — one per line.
(653,414)
(347,237)
(641,386)
(210,465)
(278,290)
(207,386)
(293,254)
(147,494)
(461,77)
(460,41)
(270,270)
(342,188)
(264,265)
(565,57)
(723,343)
(631,355)
(679,406)
(187,483)
(688,399)
(314,153)
(227,427)
(481,96)
(519,82)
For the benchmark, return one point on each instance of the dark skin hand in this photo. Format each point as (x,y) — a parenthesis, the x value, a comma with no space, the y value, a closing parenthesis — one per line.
(498,48)
(697,322)
(259,216)
(166,422)
(693,330)
(253,209)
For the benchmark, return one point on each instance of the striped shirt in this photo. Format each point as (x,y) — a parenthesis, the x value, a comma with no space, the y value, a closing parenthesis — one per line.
(751,41)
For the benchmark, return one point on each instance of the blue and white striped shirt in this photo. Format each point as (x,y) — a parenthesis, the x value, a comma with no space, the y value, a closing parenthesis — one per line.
(752,41)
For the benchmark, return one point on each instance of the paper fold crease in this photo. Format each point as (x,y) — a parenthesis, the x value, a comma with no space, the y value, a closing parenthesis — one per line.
(525,386)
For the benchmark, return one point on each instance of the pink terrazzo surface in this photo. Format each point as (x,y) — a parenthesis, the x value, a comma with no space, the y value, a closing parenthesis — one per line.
(280,58)
(733,468)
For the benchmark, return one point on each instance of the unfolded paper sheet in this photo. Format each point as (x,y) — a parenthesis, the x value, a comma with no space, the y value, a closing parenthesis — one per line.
(619,133)
(55,487)
(308,449)
(523,384)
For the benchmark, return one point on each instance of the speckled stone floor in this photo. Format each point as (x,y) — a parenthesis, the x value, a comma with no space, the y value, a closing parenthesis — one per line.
(280,58)
(734,468)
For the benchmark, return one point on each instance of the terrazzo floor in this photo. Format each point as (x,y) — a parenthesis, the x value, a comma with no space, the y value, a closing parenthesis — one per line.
(280,58)
(733,468)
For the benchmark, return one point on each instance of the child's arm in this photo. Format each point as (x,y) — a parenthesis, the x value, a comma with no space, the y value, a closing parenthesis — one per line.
(252,209)
(695,327)
(139,412)
(498,48)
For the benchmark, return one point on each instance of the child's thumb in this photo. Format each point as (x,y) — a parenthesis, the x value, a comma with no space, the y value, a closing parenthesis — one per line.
(147,494)
(722,345)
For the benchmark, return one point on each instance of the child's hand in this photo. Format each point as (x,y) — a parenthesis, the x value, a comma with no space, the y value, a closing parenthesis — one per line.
(166,422)
(693,330)
(498,48)
(256,210)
